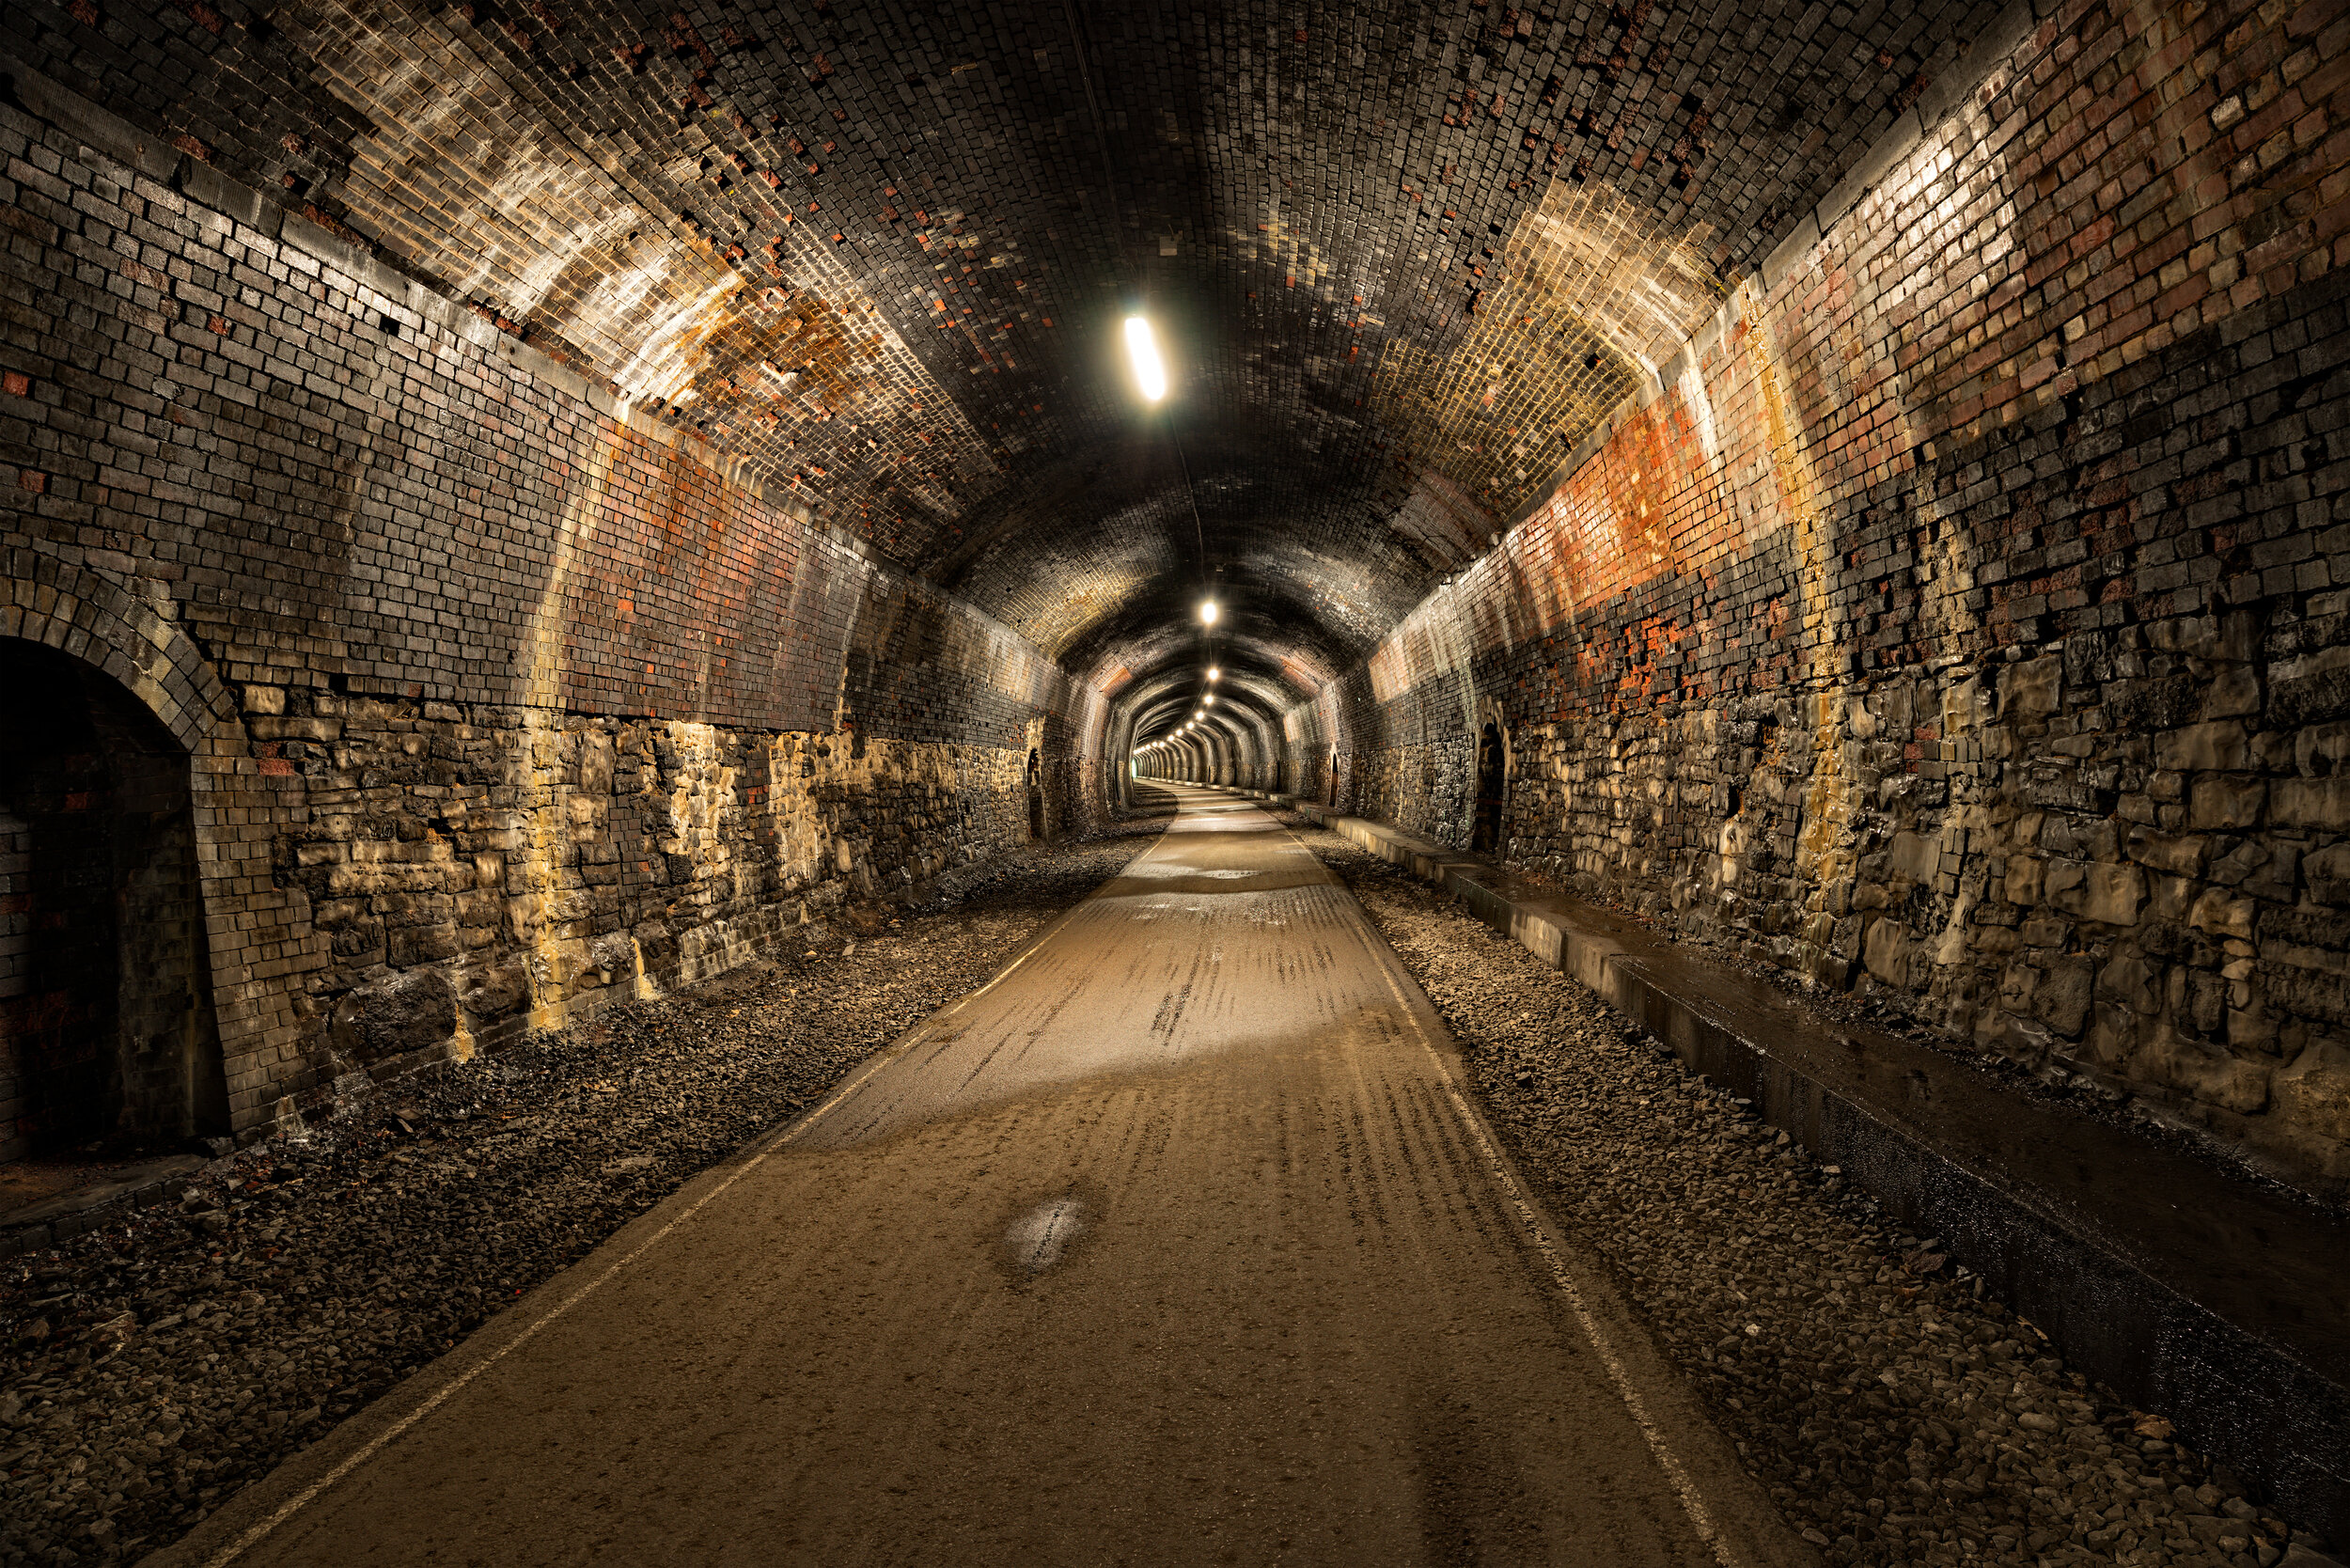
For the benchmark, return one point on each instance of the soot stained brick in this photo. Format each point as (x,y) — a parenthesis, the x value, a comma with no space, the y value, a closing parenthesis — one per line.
(500,702)
(880,256)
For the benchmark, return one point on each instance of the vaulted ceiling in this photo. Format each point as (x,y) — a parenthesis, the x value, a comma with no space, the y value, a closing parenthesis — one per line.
(1402,257)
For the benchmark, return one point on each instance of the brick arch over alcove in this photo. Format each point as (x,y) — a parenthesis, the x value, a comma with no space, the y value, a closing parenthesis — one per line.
(260,938)
(98,620)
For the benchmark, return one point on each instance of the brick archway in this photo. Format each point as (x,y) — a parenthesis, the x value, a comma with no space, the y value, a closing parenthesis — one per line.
(104,625)
(261,941)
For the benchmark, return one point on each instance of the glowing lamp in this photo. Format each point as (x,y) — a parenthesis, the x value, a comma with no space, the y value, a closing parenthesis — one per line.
(1207,612)
(1142,350)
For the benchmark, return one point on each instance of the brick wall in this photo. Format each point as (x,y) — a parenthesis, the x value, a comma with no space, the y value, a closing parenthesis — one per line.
(500,696)
(1962,615)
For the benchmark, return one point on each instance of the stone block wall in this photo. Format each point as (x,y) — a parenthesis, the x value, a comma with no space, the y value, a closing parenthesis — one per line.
(481,870)
(1964,617)
(501,698)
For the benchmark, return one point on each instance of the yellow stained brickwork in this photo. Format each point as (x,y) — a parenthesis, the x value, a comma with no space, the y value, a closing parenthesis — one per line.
(1584,302)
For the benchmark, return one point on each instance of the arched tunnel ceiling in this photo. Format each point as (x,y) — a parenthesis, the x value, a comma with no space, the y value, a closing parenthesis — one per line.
(1402,257)
(1245,702)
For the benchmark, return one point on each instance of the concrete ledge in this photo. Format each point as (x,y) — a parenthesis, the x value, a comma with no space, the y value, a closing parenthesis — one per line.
(2189,1290)
(207,186)
(1793,247)
(110,135)
(39,1226)
(1989,52)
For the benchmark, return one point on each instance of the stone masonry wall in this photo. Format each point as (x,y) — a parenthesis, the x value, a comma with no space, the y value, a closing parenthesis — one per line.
(478,870)
(500,696)
(1965,617)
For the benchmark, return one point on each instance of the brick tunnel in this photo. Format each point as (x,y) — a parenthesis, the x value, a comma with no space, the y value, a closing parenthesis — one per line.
(1173,783)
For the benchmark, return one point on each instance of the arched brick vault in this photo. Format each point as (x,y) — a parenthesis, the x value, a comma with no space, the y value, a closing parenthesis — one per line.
(881,256)
(110,625)
(1880,463)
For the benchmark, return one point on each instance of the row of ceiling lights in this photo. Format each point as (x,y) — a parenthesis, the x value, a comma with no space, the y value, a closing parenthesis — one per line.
(1142,352)
(1207,701)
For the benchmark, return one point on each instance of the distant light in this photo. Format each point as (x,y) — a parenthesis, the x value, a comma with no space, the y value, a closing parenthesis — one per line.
(1215,674)
(1208,702)
(1143,350)
(1207,612)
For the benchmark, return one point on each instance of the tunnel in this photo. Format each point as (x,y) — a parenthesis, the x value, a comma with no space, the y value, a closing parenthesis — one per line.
(1175,782)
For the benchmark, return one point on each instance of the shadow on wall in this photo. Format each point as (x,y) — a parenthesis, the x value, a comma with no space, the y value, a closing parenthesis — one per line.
(107,1034)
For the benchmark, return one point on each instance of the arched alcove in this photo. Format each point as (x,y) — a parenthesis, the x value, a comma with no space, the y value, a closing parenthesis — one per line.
(107,1034)
(1493,781)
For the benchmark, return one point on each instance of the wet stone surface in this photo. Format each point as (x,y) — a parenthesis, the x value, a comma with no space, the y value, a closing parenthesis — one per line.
(1895,1416)
(159,1363)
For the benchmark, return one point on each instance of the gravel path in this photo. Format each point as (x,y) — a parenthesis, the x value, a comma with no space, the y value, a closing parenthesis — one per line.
(157,1364)
(1897,1418)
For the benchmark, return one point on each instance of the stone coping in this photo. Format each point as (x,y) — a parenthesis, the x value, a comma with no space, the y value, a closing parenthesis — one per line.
(143,1185)
(2207,1295)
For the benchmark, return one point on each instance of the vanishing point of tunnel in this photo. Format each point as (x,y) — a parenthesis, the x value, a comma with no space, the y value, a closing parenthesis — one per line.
(1080,782)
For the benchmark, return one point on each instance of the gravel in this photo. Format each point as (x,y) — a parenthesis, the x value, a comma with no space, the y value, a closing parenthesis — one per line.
(1895,1415)
(153,1366)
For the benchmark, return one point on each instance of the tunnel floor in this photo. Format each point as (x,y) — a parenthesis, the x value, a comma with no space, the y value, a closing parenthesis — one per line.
(1170,1242)
(1175,1242)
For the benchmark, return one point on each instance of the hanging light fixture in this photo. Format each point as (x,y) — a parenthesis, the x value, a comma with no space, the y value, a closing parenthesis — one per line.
(1207,612)
(1142,351)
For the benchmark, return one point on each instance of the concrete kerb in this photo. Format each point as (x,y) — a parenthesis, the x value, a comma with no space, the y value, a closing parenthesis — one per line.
(2267,1397)
(54,1221)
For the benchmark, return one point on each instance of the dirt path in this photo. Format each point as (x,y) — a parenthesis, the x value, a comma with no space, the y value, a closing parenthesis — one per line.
(1175,1242)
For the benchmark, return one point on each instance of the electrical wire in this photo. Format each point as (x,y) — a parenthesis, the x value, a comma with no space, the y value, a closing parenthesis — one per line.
(1117,243)
(1198,529)
(1101,132)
